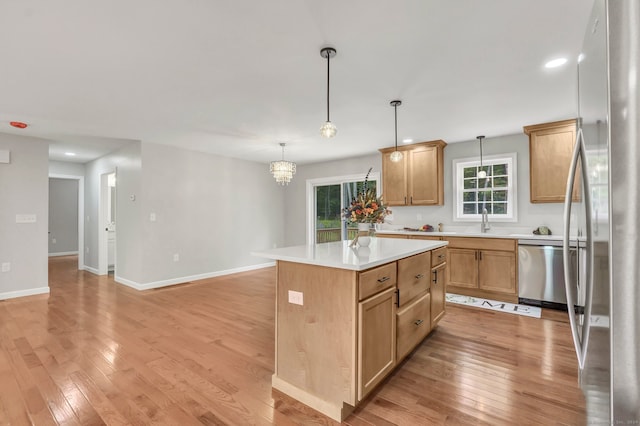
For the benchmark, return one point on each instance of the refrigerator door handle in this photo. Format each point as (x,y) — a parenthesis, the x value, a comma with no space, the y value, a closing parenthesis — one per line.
(580,341)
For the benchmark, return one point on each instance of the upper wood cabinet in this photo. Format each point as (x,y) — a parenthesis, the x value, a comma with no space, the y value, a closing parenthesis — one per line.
(417,179)
(550,151)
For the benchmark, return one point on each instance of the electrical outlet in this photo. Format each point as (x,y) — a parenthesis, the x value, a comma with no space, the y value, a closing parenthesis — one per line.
(6,267)
(295,297)
(176,257)
(152,217)
(53,241)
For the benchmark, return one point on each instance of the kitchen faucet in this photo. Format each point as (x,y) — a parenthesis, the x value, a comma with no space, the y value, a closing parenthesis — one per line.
(485,221)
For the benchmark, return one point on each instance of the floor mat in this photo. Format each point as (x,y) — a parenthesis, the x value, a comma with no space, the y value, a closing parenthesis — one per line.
(494,305)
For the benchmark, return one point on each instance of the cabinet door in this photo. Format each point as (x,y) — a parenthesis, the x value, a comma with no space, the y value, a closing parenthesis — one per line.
(394,180)
(413,277)
(550,149)
(414,323)
(497,271)
(438,290)
(463,268)
(376,340)
(424,176)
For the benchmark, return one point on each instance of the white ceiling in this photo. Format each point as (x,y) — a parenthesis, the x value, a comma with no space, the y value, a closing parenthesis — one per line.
(235,78)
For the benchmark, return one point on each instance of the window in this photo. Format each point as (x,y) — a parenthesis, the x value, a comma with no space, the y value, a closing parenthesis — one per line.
(496,193)
(326,199)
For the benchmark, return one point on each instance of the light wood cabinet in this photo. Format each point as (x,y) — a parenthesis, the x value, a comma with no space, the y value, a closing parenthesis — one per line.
(413,277)
(416,180)
(414,323)
(550,151)
(438,288)
(483,267)
(376,340)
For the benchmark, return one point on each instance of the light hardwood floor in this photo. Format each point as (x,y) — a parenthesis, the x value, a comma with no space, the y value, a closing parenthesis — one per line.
(95,352)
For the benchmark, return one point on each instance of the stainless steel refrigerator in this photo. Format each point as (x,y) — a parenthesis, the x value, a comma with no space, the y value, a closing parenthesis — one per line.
(606,219)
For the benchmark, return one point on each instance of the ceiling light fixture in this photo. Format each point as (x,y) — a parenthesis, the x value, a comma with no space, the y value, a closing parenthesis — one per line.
(481,174)
(396,155)
(407,140)
(70,154)
(555,63)
(328,130)
(282,170)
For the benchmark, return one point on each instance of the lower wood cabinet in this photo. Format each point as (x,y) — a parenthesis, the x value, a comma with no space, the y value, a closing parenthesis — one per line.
(483,267)
(438,291)
(376,340)
(414,323)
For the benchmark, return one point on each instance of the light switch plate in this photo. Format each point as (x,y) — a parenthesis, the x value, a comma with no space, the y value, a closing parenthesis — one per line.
(296,297)
(6,267)
(5,156)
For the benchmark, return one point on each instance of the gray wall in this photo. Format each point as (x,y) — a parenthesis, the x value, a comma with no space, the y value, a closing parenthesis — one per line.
(63,216)
(295,198)
(66,168)
(212,211)
(530,216)
(24,186)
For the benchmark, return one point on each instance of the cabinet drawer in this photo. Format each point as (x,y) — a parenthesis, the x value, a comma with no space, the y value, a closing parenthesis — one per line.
(475,243)
(438,256)
(414,323)
(413,276)
(376,279)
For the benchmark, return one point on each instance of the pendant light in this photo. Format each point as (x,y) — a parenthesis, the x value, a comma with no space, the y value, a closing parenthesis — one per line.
(328,130)
(481,174)
(283,170)
(396,155)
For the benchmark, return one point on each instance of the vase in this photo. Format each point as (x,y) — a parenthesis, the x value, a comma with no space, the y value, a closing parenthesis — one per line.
(363,234)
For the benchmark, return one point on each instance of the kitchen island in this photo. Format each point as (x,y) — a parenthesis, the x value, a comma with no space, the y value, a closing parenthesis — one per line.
(345,317)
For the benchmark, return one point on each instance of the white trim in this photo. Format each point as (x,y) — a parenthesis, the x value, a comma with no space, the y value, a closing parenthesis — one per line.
(81,241)
(23,293)
(92,270)
(183,280)
(336,180)
(512,207)
(62,253)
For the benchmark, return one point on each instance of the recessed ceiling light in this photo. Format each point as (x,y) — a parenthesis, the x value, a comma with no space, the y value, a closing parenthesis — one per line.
(407,140)
(554,63)
(70,154)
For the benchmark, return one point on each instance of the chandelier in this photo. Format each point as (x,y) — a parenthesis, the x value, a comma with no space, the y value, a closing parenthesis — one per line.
(283,170)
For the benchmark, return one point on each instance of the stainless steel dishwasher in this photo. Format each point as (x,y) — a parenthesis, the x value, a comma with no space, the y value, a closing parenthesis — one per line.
(541,273)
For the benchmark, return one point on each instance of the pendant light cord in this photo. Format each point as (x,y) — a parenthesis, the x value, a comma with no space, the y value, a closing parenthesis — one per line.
(328,59)
(395,109)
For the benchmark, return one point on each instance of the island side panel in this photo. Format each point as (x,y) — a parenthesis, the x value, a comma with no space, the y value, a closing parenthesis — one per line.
(316,342)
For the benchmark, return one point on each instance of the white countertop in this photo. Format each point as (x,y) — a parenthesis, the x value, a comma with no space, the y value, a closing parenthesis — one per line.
(340,255)
(489,234)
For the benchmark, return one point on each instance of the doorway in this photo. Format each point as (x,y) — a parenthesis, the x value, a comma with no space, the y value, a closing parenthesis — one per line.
(80,200)
(107,223)
(327,199)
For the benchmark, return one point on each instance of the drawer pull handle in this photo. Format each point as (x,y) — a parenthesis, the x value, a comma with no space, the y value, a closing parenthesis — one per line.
(419,276)
(383,279)
(440,256)
(435,277)
(398,298)
(418,322)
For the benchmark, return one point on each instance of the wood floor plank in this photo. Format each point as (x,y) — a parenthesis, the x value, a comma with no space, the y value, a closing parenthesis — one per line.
(96,352)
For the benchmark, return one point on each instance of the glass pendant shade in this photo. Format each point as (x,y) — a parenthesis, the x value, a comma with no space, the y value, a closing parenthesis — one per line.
(396,156)
(282,170)
(482,174)
(328,130)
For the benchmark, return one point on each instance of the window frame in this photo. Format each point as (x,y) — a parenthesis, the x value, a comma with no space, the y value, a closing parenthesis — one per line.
(458,166)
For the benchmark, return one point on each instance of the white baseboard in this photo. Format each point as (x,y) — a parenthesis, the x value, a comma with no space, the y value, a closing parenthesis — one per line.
(90,269)
(22,293)
(181,280)
(63,253)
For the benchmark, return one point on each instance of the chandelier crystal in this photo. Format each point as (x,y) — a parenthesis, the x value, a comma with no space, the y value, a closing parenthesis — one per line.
(282,170)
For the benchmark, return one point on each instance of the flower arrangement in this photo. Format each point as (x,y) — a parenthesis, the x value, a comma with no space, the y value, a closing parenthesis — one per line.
(365,207)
